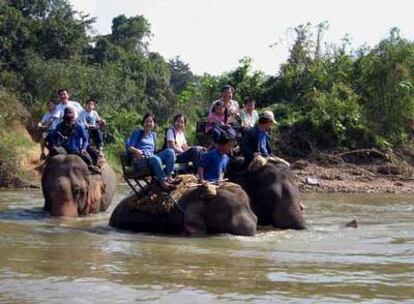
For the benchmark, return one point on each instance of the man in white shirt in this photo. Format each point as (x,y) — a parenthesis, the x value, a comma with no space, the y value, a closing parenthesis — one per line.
(65,102)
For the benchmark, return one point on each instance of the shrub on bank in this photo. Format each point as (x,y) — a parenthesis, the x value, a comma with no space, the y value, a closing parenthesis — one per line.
(12,145)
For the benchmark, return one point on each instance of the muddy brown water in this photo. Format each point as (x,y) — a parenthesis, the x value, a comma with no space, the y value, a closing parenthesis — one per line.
(45,260)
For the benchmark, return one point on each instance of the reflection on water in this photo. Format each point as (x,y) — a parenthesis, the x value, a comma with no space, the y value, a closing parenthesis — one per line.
(83,260)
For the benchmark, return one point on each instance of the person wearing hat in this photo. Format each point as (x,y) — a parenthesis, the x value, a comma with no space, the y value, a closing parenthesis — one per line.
(256,140)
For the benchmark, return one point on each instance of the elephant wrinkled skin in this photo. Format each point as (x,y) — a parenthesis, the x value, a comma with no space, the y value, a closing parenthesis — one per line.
(70,190)
(274,196)
(227,212)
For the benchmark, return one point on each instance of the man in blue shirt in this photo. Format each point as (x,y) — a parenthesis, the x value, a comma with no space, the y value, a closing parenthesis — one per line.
(256,141)
(214,163)
(73,137)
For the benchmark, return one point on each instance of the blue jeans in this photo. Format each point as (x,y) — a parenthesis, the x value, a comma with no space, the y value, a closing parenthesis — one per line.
(191,155)
(156,162)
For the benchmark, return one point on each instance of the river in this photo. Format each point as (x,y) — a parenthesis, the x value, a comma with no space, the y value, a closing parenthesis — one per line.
(46,260)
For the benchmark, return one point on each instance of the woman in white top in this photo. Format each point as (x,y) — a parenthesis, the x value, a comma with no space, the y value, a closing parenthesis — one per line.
(248,114)
(175,139)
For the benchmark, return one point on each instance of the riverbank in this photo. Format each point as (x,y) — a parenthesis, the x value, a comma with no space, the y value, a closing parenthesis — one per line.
(351,178)
(314,178)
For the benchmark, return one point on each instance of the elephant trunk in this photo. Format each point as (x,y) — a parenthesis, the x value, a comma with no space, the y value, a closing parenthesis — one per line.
(247,226)
(60,197)
(288,219)
(65,208)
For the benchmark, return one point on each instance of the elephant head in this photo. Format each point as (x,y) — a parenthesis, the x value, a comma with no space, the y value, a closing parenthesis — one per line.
(70,190)
(228,211)
(274,196)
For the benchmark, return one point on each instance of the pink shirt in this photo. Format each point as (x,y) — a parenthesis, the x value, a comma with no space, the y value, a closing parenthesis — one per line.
(212,119)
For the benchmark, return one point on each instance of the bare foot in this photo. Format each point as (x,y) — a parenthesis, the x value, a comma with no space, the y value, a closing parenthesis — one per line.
(167,186)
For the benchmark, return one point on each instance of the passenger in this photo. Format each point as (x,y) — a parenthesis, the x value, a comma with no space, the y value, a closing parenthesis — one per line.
(47,124)
(216,116)
(92,122)
(248,114)
(256,141)
(214,163)
(73,137)
(141,146)
(216,123)
(65,102)
(231,107)
(175,139)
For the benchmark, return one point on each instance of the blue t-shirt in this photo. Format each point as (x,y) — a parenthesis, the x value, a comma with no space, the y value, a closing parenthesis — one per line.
(264,139)
(146,143)
(76,141)
(214,163)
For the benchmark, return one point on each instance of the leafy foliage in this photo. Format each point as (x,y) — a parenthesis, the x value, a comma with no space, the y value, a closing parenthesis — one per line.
(324,96)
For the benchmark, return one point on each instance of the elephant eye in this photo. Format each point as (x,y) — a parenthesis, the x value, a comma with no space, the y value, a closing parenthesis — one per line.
(76,190)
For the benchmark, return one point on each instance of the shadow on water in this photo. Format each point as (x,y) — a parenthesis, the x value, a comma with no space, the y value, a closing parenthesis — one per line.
(23,214)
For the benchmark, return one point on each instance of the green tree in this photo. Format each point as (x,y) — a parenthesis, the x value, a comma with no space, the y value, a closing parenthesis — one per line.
(129,33)
(181,75)
(386,82)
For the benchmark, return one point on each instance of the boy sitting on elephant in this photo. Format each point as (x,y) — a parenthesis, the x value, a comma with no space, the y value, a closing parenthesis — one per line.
(93,122)
(73,138)
(47,125)
(214,163)
(256,141)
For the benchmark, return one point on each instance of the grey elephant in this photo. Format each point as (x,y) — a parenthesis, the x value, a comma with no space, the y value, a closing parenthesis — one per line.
(274,196)
(70,190)
(228,211)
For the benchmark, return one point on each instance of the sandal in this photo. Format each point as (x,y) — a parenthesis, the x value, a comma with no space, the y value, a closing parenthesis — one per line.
(167,188)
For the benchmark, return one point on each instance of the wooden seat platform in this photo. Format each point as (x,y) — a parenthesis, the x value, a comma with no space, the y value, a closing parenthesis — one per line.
(139,180)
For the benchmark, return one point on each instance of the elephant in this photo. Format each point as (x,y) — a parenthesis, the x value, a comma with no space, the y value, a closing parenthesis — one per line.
(196,214)
(274,196)
(70,190)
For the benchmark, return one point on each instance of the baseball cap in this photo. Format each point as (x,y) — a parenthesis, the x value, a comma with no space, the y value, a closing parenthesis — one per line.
(269,116)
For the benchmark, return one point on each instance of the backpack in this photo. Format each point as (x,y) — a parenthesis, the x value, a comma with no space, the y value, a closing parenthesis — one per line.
(249,142)
(165,146)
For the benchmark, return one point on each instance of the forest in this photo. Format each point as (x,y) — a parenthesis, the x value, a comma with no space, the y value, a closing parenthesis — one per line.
(326,97)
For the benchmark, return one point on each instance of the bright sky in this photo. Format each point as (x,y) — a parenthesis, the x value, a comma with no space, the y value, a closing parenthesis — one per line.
(213,35)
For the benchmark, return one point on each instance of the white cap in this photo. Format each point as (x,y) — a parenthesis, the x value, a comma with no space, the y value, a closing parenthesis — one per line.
(269,116)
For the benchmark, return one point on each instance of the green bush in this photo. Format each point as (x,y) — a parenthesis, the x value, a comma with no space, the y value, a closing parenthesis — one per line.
(12,146)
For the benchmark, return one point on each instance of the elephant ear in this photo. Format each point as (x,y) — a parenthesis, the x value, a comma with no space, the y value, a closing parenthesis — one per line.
(194,219)
(94,196)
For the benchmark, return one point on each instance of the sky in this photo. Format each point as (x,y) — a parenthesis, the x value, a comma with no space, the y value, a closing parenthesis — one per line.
(213,35)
